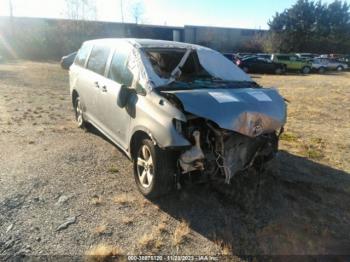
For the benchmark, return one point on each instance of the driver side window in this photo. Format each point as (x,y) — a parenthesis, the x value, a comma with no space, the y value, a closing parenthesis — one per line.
(119,70)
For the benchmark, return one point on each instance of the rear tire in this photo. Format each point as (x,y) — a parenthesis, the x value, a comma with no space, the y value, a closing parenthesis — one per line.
(79,114)
(340,68)
(154,169)
(278,71)
(321,70)
(306,70)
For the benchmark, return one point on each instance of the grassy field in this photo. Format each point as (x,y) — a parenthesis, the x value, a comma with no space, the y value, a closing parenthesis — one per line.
(318,116)
(52,172)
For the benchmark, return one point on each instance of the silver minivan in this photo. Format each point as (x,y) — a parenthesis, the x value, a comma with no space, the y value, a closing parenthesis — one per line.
(176,110)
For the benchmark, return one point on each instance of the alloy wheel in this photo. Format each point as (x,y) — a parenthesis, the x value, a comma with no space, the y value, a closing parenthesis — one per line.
(79,113)
(145,168)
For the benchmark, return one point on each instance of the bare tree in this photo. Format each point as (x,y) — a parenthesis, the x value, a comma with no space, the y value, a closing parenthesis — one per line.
(81,9)
(137,12)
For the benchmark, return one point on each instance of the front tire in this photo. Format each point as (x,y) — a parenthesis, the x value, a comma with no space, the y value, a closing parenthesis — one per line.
(154,169)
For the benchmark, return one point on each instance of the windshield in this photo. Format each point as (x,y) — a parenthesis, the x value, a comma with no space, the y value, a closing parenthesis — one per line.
(188,66)
(164,62)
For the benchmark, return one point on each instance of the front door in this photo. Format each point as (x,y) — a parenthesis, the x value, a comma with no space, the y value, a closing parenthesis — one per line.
(116,119)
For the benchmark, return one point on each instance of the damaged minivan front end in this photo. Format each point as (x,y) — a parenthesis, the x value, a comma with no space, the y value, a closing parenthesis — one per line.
(230,129)
(231,122)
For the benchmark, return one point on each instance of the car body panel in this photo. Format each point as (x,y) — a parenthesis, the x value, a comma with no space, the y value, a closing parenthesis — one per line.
(260,65)
(292,62)
(237,109)
(332,64)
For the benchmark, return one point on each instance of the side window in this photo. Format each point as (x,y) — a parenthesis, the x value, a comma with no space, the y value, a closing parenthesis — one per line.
(286,58)
(119,70)
(82,55)
(98,59)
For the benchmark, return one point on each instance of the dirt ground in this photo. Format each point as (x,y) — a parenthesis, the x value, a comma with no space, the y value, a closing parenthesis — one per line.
(51,172)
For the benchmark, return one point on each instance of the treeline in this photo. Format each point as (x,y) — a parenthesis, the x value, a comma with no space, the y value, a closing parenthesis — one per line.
(310,26)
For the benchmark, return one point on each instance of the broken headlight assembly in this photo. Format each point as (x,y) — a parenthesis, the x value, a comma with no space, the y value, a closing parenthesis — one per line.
(179,125)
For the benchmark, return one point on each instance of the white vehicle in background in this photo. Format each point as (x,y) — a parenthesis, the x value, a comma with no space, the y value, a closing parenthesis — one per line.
(319,66)
(333,64)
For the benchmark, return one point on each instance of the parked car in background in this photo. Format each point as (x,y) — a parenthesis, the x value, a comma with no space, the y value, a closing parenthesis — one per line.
(230,56)
(319,66)
(264,55)
(176,109)
(333,64)
(293,62)
(243,55)
(345,59)
(306,56)
(255,64)
(68,60)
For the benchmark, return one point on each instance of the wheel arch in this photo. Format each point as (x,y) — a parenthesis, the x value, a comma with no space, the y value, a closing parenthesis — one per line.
(136,138)
(75,94)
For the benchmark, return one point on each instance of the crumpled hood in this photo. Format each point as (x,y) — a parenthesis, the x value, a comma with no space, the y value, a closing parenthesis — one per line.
(249,111)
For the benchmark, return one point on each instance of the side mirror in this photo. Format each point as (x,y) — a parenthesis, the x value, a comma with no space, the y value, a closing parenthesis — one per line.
(124,95)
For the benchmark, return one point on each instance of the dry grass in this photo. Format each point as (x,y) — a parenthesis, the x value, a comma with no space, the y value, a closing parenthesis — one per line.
(151,242)
(181,233)
(226,248)
(123,199)
(96,200)
(100,230)
(113,170)
(289,137)
(127,221)
(162,227)
(102,252)
(319,107)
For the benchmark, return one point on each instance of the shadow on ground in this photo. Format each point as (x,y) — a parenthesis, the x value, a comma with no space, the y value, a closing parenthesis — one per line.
(297,207)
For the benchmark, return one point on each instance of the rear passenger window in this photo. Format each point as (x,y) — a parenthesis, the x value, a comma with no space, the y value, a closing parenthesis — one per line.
(82,55)
(98,59)
(283,57)
(119,70)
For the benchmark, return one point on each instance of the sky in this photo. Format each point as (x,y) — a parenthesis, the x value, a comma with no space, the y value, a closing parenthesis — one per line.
(222,13)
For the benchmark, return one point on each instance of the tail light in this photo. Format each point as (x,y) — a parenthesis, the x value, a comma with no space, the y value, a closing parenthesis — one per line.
(238,62)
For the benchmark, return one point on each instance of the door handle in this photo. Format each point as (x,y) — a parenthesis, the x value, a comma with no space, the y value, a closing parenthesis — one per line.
(104,89)
(97,84)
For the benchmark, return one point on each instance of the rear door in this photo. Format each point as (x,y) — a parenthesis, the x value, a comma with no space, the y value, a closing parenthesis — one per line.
(116,119)
(94,76)
(77,72)
(284,59)
(263,66)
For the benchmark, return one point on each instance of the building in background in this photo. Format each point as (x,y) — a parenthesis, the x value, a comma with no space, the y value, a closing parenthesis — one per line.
(65,36)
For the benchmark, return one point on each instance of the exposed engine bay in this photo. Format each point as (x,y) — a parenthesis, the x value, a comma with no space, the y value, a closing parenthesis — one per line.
(220,153)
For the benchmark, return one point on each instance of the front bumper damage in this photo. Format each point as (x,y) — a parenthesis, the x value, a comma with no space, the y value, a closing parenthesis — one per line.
(229,154)
(231,130)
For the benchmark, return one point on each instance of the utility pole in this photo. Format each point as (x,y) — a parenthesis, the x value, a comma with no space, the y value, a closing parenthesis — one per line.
(11,8)
(121,10)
